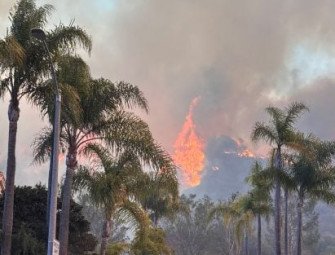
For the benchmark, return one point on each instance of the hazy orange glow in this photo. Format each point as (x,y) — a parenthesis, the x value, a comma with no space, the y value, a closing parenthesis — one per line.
(246,153)
(188,150)
(61,156)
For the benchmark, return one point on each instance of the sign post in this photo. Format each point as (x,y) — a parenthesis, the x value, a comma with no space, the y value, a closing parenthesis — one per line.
(55,250)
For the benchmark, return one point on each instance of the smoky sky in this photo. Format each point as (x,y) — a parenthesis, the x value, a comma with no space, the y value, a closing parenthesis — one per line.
(235,55)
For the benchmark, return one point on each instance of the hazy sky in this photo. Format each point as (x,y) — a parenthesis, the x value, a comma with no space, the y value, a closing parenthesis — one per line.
(237,56)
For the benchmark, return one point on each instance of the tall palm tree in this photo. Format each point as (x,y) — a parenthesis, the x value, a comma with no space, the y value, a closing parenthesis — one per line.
(113,188)
(100,118)
(69,78)
(260,199)
(312,176)
(279,132)
(269,176)
(246,213)
(22,77)
(237,212)
(109,183)
(288,187)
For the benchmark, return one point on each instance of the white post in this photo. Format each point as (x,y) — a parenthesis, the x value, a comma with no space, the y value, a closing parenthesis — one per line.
(52,242)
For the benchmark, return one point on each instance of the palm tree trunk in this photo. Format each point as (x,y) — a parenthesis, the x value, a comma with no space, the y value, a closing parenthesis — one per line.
(7,219)
(299,227)
(286,222)
(259,235)
(105,236)
(245,242)
(71,164)
(155,221)
(230,242)
(277,249)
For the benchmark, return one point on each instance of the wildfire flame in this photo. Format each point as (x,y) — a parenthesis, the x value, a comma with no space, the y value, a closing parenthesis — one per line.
(246,153)
(188,148)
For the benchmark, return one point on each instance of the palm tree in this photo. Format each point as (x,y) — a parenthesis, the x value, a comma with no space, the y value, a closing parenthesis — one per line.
(260,199)
(268,175)
(237,212)
(100,118)
(113,188)
(245,208)
(288,187)
(23,68)
(160,198)
(280,132)
(286,197)
(311,176)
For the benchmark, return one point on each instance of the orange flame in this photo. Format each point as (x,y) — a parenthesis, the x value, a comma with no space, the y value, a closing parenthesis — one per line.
(246,153)
(188,148)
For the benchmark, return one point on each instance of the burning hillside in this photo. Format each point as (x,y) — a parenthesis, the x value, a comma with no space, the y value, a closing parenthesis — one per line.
(228,162)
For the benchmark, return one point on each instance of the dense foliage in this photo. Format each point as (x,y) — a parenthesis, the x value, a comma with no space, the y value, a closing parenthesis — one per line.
(30,225)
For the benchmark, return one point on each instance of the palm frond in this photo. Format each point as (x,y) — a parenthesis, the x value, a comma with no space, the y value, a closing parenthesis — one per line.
(99,154)
(43,145)
(256,168)
(325,195)
(135,214)
(5,86)
(325,152)
(104,190)
(43,96)
(159,194)
(131,96)
(11,52)
(281,131)
(286,180)
(64,38)
(73,70)
(71,111)
(239,230)
(125,131)
(262,131)
(223,210)
(294,140)
(325,178)
(277,116)
(265,178)
(25,16)
(82,178)
(293,112)
(104,98)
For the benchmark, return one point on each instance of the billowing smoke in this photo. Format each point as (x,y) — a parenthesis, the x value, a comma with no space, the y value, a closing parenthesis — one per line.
(239,56)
